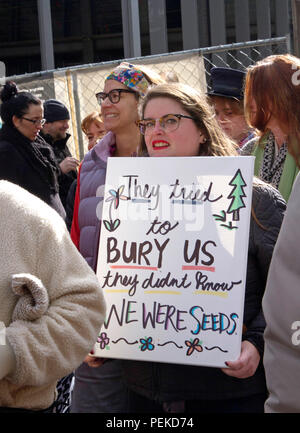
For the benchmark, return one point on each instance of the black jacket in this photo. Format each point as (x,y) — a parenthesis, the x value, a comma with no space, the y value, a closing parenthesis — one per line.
(30,165)
(70,204)
(61,152)
(172,382)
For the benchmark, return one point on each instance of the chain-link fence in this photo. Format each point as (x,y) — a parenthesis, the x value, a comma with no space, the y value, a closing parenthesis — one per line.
(76,86)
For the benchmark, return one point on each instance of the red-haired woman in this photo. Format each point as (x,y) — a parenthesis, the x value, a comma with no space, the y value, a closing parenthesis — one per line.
(93,127)
(281,302)
(272,98)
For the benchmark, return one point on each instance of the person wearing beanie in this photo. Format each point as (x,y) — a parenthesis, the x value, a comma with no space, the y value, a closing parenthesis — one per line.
(55,133)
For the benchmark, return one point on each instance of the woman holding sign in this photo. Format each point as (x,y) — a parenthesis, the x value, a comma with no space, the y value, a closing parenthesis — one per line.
(177,121)
(100,389)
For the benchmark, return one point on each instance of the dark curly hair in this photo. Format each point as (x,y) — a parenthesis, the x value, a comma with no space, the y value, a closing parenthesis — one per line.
(15,103)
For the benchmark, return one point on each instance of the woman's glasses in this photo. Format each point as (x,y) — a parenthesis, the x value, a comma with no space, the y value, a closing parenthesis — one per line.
(114,95)
(35,122)
(168,122)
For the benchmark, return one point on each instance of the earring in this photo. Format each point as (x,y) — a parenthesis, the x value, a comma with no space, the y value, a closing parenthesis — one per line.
(204,138)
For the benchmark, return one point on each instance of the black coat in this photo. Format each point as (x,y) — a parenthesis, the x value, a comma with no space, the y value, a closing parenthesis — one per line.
(30,165)
(61,151)
(70,204)
(172,382)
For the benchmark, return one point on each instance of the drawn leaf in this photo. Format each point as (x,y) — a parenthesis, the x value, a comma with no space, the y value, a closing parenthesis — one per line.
(221,217)
(229,226)
(117,222)
(107,225)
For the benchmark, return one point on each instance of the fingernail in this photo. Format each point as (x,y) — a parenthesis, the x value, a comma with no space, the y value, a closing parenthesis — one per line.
(92,352)
(226,363)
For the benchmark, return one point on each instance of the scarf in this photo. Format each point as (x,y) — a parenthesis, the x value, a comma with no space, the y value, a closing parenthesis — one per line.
(272,165)
(37,154)
(279,170)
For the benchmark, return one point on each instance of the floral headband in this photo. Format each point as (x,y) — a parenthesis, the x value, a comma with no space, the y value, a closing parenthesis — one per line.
(130,76)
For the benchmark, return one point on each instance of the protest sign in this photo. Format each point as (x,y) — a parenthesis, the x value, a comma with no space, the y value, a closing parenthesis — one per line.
(172,258)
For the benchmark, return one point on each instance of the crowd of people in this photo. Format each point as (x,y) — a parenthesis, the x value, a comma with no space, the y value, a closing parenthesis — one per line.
(52,304)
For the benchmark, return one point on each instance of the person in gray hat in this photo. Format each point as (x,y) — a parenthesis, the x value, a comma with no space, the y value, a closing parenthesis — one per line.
(55,133)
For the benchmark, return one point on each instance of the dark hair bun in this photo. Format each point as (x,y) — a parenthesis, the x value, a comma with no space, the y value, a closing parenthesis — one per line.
(9,90)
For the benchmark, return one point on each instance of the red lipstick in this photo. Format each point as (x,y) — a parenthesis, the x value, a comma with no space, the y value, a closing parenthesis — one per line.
(160,144)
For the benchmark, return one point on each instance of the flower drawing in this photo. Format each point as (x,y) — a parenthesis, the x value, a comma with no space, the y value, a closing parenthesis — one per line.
(146,344)
(116,196)
(103,340)
(193,345)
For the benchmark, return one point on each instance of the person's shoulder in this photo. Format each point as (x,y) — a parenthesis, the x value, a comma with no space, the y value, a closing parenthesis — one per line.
(6,146)
(265,197)
(9,155)
(26,206)
(104,146)
(297,182)
(249,146)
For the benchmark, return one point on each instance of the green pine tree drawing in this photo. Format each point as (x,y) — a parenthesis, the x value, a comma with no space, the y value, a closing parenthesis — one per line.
(237,194)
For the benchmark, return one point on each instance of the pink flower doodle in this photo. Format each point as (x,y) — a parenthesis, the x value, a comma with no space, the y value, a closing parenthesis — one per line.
(103,340)
(114,198)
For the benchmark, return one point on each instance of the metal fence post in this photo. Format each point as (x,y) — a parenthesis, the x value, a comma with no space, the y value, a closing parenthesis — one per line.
(70,87)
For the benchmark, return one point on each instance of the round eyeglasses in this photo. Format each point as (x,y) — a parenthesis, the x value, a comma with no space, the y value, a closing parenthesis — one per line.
(114,95)
(168,122)
(35,122)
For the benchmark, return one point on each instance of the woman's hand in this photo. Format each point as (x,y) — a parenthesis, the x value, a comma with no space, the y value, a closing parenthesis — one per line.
(93,361)
(247,363)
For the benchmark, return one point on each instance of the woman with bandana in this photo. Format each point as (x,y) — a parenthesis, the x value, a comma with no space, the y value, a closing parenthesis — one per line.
(272,97)
(98,385)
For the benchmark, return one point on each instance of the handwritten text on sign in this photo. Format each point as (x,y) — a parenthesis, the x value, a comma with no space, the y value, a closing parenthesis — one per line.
(172,258)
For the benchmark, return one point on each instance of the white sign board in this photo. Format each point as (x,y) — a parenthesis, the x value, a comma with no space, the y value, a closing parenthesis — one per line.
(172,258)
